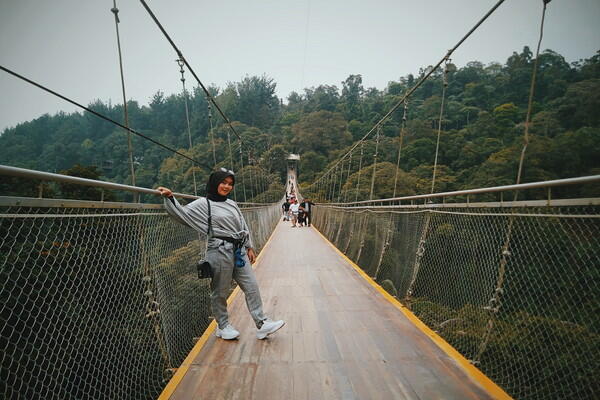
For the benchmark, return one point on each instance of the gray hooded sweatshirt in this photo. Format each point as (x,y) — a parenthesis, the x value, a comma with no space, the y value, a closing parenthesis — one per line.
(227,219)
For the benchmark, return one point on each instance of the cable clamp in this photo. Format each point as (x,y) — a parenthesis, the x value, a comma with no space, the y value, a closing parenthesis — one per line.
(115,11)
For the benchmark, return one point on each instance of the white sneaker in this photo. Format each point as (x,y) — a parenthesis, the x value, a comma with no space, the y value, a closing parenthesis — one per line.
(268,327)
(227,333)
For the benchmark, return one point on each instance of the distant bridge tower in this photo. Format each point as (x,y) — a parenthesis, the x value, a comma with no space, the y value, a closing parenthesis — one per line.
(292,174)
(292,163)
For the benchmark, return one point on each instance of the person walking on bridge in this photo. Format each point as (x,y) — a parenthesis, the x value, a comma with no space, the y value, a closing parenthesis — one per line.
(294,207)
(286,209)
(230,250)
(307,205)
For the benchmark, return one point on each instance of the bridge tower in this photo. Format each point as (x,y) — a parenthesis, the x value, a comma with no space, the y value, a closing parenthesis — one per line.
(292,164)
(292,173)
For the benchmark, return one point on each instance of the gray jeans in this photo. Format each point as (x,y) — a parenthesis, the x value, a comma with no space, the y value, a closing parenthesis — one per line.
(222,262)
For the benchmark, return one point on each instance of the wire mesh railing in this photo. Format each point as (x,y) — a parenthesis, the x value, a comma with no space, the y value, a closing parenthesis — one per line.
(533,327)
(100,300)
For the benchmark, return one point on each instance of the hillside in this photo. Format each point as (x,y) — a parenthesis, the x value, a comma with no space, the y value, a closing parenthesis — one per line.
(480,142)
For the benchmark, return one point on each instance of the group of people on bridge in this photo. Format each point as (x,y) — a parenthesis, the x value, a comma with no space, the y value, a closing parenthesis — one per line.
(298,213)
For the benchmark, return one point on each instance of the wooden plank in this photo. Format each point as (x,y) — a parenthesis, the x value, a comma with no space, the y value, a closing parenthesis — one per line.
(342,339)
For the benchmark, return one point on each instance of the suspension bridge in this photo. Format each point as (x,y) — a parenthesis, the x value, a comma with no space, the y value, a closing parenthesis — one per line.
(409,300)
(487,293)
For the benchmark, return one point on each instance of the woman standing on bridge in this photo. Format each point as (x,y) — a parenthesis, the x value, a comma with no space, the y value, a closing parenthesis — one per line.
(229,232)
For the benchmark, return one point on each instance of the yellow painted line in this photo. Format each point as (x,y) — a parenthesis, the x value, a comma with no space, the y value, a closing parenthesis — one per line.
(494,390)
(187,363)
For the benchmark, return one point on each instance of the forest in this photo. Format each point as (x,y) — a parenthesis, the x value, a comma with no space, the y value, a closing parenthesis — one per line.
(480,143)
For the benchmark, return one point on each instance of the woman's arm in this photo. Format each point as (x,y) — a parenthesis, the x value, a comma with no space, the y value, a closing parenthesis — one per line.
(193,215)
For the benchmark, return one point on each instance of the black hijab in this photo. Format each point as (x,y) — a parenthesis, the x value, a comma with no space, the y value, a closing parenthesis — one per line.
(213,184)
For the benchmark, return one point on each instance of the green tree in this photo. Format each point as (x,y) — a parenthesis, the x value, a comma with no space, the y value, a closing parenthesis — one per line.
(580,104)
(322,98)
(423,176)
(80,192)
(352,91)
(321,132)
(385,174)
(257,105)
(274,160)
(311,163)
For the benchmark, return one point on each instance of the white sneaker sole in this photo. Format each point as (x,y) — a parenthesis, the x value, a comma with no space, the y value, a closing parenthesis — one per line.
(264,335)
(220,335)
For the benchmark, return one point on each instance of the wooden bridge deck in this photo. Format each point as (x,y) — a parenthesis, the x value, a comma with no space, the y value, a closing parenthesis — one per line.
(343,338)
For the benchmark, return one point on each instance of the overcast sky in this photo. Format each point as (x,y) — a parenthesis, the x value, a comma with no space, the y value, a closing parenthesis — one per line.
(70,45)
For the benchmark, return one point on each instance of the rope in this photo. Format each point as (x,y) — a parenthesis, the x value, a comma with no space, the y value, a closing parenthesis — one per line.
(437,145)
(115,11)
(100,115)
(187,118)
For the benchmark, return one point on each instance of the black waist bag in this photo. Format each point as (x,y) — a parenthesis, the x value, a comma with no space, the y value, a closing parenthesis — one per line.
(204,268)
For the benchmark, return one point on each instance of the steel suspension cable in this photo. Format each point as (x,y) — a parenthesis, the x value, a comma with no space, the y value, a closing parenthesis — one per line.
(341,182)
(187,118)
(231,162)
(115,11)
(97,114)
(241,168)
(495,301)
(331,186)
(211,133)
(348,176)
(250,170)
(374,163)
(530,101)
(263,178)
(389,230)
(402,128)
(437,144)
(328,186)
(180,55)
(420,81)
(359,170)
(336,183)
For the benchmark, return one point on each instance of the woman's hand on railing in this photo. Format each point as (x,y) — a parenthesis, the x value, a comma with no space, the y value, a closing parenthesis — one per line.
(165,192)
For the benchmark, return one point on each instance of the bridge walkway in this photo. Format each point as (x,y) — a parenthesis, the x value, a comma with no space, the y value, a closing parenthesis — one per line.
(344,338)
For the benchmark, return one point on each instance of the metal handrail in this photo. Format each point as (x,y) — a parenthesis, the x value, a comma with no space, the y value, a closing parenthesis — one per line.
(587,201)
(49,176)
(532,185)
